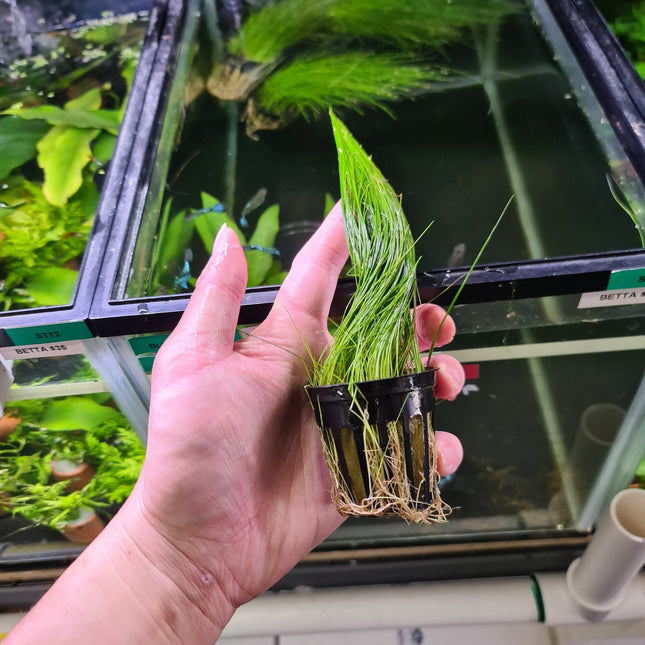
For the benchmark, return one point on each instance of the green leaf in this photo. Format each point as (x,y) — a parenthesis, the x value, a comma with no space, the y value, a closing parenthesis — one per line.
(86,198)
(62,154)
(76,413)
(18,141)
(89,100)
(105,34)
(208,224)
(53,286)
(260,262)
(103,147)
(102,119)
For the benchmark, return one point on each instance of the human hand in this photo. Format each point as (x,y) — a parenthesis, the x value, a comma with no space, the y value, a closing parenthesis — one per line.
(235,477)
(234,489)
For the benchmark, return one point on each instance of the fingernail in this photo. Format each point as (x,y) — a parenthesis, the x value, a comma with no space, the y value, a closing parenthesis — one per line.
(219,236)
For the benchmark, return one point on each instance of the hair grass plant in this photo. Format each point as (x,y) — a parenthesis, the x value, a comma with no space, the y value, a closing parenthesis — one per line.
(381,458)
(372,398)
(339,53)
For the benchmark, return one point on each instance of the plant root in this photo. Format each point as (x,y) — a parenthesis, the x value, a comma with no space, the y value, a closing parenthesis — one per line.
(390,490)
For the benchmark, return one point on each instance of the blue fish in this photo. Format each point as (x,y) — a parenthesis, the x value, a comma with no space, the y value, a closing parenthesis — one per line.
(181,281)
(255,202)
(215,208)
(265,249)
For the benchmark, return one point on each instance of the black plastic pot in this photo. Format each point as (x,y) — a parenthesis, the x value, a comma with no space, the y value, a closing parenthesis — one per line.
(389,417)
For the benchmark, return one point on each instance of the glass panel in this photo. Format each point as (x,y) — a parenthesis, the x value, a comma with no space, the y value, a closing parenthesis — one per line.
(511,115)
(62,98)
(66,451)
(536,434)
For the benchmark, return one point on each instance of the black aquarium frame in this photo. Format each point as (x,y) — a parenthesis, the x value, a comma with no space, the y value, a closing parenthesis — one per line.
(622,98)
(78,309)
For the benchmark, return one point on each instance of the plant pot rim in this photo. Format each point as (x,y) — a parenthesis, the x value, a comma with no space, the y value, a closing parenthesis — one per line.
(376,387)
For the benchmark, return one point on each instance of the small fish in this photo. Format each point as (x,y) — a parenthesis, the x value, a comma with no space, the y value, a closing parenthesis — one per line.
(11,207)
(181,281)
(255,202)
(266,249)
(456,257)
(215,208)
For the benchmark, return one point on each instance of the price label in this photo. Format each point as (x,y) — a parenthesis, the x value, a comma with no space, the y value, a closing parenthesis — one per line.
(627,279)
(613,298)
(147,344)
(43,350)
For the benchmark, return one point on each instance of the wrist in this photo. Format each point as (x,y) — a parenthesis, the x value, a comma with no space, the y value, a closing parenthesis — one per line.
(192,601)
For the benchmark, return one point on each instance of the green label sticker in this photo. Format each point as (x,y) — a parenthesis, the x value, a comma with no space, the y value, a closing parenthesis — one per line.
(626,279)
(147,344)
(146,362)
(77,330)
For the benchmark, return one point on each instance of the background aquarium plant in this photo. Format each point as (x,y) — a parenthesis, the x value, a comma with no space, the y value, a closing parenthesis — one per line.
(627,21)
(62,99)
(74,430)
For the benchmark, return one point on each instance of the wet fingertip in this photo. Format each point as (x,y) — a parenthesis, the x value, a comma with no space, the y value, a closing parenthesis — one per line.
(450,453)
(446,332)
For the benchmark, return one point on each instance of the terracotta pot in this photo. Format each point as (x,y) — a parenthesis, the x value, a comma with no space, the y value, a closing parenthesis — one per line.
(8,424)
(78,475)
(85,528)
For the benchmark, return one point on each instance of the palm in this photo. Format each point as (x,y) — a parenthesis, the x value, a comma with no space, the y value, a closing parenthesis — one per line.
(268,500)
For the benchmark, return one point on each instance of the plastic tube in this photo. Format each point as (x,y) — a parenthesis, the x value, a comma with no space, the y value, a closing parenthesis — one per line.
(597,580)
(305,610)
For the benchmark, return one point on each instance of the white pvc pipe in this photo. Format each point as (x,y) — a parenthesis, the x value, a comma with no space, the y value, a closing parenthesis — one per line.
(597,580)
(502,600)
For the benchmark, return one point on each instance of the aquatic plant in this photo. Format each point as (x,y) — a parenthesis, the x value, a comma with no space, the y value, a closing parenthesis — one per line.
(312,83)
(170,262)
(629,28)
(74,429)
(299,57)
(55,142)
(376,424)
(39,238)
(376,337)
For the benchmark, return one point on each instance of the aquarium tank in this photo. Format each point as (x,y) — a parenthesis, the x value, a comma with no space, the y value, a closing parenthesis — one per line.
(464,107)
(64,86)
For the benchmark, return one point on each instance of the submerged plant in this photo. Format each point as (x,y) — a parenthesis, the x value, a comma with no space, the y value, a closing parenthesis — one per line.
(297,57)
(55,142)
(629,28)
(171,270)
(75,429)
